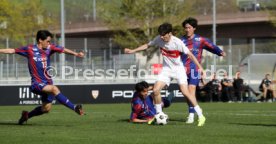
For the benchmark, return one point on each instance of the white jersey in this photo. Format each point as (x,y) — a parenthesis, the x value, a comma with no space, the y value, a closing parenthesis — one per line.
(170,50)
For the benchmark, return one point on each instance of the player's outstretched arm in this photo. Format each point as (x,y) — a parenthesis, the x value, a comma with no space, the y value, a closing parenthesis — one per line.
(7,51)
(211,47)
(140,48)
(79,54)
(223,54)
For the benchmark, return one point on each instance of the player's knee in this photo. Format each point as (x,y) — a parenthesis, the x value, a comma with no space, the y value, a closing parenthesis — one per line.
(46,109)
(55,90)
(156,92)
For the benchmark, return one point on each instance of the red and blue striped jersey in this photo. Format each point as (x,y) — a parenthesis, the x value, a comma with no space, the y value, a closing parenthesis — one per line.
(39,61)
(142,108)
(196,46)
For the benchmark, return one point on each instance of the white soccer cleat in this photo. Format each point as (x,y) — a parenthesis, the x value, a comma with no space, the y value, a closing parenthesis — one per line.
(190,120)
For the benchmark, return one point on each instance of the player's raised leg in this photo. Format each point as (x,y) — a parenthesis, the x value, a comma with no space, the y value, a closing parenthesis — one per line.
(62,99)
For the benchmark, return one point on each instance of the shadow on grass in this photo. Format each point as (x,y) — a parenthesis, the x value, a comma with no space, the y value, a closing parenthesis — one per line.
(177,120)
(255,124)
(31,124)
(170,120)
(8,123)
(13,124)
(124,120)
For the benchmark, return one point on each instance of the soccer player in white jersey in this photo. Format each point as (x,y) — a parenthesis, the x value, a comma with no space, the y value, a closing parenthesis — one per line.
(171,48)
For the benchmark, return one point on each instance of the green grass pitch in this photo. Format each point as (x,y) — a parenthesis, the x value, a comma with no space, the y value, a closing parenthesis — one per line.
(234,123)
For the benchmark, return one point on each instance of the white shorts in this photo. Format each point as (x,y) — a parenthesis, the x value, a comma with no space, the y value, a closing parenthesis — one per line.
(178,73)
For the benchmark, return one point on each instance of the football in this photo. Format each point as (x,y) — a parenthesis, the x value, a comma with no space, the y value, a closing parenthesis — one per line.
(161,119)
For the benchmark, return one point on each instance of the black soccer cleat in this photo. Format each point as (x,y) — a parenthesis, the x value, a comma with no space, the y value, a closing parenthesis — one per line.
(79,110)
(24,117)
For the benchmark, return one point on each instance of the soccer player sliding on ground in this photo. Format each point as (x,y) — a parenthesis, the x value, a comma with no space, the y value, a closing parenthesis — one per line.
(38,57)
(142,106)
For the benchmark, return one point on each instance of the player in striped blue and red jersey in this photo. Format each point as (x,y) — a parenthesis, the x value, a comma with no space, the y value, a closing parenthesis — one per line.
(142,107)
(196,44)
(38,57)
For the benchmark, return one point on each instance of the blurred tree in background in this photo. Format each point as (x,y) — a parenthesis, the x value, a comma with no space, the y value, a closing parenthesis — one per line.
(77,11)
(135,22)
(20,20)
(11,20)
(271,7)
(205,7)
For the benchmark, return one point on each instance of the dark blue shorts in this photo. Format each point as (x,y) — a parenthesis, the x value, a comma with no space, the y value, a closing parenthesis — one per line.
(166,102)
(193,79)
(36,88)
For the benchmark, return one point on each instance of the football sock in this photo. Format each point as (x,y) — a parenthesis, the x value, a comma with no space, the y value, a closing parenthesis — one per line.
(191,115)
(65,101)
(198,111)
(191,108)
(36,112)
(158,108)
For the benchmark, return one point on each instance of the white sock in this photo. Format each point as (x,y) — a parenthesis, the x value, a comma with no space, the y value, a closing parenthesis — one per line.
(191,115)
(158,108)
(198,111)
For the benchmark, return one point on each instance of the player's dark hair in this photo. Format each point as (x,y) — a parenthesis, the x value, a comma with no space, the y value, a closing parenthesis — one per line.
(164,28)
(43,34)
(191,21)
(141,86)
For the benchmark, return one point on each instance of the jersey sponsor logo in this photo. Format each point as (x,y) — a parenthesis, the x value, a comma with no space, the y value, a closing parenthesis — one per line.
(37,59)
(194,50)
(197,39)
(42,84)
(170,53)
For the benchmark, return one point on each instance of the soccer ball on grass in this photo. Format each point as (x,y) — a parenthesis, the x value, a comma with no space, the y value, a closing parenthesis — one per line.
(161,119)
